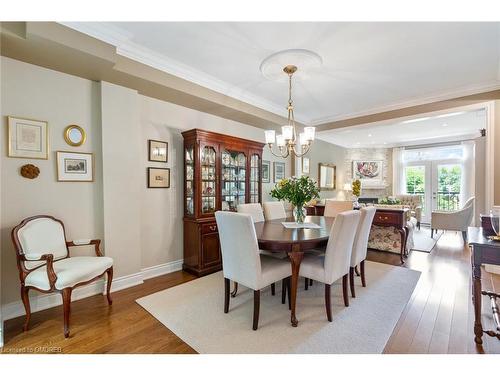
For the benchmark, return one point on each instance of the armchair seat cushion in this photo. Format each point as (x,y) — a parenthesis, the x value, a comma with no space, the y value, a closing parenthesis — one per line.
(69,271)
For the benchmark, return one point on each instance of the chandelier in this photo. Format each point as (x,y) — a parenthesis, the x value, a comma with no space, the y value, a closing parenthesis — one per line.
(288,142)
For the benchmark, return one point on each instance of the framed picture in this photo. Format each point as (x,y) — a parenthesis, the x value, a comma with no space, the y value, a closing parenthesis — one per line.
(28,138)
(266,171)
(158,151)
(75,166)
(305,164)
(370,172)
(279,171)
(158,177)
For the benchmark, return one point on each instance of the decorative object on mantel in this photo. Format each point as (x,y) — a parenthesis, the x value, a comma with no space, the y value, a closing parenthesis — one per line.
(75,166)
(158,151)
(356,192)
(370,171)
(74,135)
(289,142)
(266,171)
(30,171)
(158,177)
(297,191)
(389,201)
(28,138)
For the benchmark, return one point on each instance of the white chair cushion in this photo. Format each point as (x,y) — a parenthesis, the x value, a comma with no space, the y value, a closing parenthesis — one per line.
(69,271)
(273,270)
(313,267)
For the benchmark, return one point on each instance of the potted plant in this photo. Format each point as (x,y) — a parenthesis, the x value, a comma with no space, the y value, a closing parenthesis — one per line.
(297,191)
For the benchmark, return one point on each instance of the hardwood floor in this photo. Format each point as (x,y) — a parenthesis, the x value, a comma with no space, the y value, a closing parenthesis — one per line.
(437,319)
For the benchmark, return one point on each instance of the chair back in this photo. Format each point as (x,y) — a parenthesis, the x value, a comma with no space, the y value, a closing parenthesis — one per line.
(360,246)
(339,247)
(412,201)
(239,247)
(253,209)
(468,210)
(274,210)
(333,208)
(39,235)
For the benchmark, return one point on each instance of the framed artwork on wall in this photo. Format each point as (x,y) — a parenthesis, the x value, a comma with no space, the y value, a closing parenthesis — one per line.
(74,135)
(157,151)
(305,165)
(266,171)
(279,171)
(158,178)
(370,172)
(28,138)
(75,166)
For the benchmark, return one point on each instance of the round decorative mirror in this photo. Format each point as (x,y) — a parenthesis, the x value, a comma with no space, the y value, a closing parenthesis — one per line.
(74,135)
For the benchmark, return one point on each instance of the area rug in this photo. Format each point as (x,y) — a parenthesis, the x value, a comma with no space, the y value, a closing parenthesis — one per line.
(422,239)
(194,312)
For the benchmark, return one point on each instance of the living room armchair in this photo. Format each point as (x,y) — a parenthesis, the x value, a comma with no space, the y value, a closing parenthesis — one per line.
(44,262)
(414,203)
(457,220)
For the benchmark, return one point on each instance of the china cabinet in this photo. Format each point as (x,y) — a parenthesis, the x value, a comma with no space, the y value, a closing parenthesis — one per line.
(220,172)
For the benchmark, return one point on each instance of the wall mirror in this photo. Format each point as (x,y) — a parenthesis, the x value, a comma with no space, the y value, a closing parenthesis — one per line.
(74,135)
(327,176)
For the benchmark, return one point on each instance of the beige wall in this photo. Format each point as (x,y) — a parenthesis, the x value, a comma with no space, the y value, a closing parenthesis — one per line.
(33,92)
(496,161)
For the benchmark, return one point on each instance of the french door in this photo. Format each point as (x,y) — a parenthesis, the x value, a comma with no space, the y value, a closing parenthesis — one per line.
(438,182)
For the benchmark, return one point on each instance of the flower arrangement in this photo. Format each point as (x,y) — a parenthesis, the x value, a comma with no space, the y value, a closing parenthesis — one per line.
(356,188)
(297,191)
(389,201)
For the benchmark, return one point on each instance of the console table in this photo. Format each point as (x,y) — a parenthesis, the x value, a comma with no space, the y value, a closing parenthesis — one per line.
(483,251)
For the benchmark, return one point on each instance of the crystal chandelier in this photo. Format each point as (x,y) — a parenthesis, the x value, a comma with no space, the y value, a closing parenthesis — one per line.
(287,142)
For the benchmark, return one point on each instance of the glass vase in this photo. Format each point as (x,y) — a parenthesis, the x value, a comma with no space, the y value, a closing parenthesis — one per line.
(299,214)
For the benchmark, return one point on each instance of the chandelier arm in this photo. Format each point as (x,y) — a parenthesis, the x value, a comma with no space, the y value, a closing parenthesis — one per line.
(280,155)
(300,154)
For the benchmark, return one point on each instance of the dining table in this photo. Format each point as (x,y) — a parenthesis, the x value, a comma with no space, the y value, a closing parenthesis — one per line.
(273,236)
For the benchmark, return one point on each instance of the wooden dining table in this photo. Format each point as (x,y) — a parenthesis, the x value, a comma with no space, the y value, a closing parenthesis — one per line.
(273,236)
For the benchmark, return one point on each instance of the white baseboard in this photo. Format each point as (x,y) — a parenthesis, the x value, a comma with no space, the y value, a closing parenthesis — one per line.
(40,302)
(162,269)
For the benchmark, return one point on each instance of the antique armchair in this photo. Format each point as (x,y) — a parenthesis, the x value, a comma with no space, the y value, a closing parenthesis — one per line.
(45,264)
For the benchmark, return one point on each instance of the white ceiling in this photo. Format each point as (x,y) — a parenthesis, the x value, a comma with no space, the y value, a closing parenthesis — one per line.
(367,67)
(417,131)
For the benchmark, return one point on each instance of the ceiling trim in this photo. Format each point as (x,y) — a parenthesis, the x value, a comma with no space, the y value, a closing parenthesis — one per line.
(127,48)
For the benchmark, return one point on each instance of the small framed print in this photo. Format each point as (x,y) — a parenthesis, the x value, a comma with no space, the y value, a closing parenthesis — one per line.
(158,151)
(266,171)
(75,166)
(28,138)
(305,165)
(158,177)
(279,171)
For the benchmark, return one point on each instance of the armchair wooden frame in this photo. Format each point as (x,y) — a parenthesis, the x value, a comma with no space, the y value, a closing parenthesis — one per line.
(52,277)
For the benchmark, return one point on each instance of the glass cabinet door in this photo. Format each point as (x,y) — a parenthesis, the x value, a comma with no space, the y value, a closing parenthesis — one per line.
(233,179)
(208,178)
(189,173)
(254,178)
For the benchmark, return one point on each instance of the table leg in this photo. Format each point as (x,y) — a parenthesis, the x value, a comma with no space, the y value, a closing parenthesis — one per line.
(295,258)
(476,297)
(402,232)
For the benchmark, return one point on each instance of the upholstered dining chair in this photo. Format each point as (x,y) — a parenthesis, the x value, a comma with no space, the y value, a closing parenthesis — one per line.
(241,260)
(253,209)
(360,246)
(333,208)
(337,260)
(274,210)
(45,264)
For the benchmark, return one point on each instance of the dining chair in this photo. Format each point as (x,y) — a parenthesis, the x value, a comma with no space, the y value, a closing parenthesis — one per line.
(253,209)
(333,208)
(274,210)
(45,265)
(360,246)
(241,260)
(337,260)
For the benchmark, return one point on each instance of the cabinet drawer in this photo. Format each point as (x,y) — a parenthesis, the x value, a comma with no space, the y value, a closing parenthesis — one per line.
(209,228)
(387,218)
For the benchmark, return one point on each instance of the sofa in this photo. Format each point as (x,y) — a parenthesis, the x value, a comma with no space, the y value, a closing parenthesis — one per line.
(388,238)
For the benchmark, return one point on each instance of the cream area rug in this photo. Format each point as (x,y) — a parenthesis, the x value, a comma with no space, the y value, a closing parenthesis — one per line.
(422,240)
(194,312)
